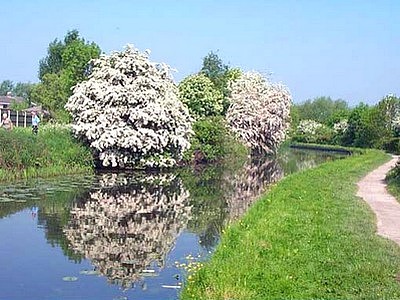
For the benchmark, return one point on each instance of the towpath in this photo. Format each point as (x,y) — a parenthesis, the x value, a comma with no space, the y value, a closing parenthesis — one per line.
(372,188)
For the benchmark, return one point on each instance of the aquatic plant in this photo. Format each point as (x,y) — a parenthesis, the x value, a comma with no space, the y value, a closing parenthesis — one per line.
(129,112)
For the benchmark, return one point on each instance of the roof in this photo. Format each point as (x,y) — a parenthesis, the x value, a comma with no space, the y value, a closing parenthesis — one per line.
(37,109)
(9,100)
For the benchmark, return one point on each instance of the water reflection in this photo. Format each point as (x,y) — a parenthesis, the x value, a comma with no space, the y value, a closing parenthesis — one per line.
(129,223)
(249,183)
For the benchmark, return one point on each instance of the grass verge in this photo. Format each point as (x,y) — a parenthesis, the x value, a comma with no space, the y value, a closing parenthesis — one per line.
(393,187)
(321,147)
(310,237)
(53,151)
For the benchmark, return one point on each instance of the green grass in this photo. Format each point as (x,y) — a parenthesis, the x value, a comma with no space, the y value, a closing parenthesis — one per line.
(393,186)
(54,151)
(309,237)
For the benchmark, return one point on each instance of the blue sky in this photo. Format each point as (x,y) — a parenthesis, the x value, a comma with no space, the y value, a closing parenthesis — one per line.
(342,49)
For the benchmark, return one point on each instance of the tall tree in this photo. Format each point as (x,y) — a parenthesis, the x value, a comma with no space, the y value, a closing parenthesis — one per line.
(321,109)
(220,74)
(23,89)
(66,64)
(214,68)
(5,87)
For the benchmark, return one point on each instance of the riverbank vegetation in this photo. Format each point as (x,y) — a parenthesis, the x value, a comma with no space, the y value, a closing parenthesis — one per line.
(327,121)
(53,151)
(310,237)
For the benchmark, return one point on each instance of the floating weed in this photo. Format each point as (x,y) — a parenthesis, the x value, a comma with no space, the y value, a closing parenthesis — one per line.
(192,265)
(70,278)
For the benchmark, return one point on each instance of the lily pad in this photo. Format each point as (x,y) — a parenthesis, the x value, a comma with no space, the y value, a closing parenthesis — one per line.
(70,278)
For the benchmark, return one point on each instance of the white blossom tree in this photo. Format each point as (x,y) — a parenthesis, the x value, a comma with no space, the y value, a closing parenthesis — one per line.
(259,112)
(129,112)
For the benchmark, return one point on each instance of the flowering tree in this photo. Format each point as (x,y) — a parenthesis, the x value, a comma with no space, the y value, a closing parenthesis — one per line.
(259,112)
(128,111)
(341,126)
(309,127)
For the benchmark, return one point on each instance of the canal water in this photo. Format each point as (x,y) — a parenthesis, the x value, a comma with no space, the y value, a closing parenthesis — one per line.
(124,236)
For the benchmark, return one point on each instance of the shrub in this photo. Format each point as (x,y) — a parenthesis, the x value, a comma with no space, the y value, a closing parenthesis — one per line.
(259,112)
(391,145)
(200,96)
(211,141)
(309,131)
(54,149)
(129,112)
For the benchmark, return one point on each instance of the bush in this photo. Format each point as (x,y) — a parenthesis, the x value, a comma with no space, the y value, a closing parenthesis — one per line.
(54,149)
(391,145)
(212,141)
(200,96)
(309,131)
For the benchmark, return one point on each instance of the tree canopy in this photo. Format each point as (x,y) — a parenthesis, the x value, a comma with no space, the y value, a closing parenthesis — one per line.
(129,113)
(321,109)
(19,89)
(220,75)
(66,64)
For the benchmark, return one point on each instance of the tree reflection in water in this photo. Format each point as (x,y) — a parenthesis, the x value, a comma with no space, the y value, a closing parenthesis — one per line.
(129,223)
(248,184)
(221,194)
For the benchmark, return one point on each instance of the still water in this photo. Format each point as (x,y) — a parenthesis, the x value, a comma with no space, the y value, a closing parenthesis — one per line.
(125,235)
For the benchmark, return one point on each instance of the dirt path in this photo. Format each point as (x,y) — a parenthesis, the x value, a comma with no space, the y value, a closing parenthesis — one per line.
(372,189)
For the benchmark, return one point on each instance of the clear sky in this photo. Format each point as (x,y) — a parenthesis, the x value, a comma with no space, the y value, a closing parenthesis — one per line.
(342,49)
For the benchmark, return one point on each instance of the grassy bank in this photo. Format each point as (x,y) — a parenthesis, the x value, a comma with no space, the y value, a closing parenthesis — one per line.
(332,148)
(52,152)
(310,237)
(394,188)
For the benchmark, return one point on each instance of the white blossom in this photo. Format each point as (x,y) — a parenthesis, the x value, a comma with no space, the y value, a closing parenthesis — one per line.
(259,112)
(341,126)
(129,112)
(309,127)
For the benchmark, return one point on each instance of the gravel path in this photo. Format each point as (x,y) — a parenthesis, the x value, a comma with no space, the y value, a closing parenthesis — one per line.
(372,189)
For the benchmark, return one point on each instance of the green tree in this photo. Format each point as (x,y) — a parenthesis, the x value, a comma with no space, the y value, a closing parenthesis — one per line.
(66,64)
(200,96)
(321,109)
(366,128)
(389,110)
(23,89)
(220,74)
(5,87)
(52,92)
(214,68)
